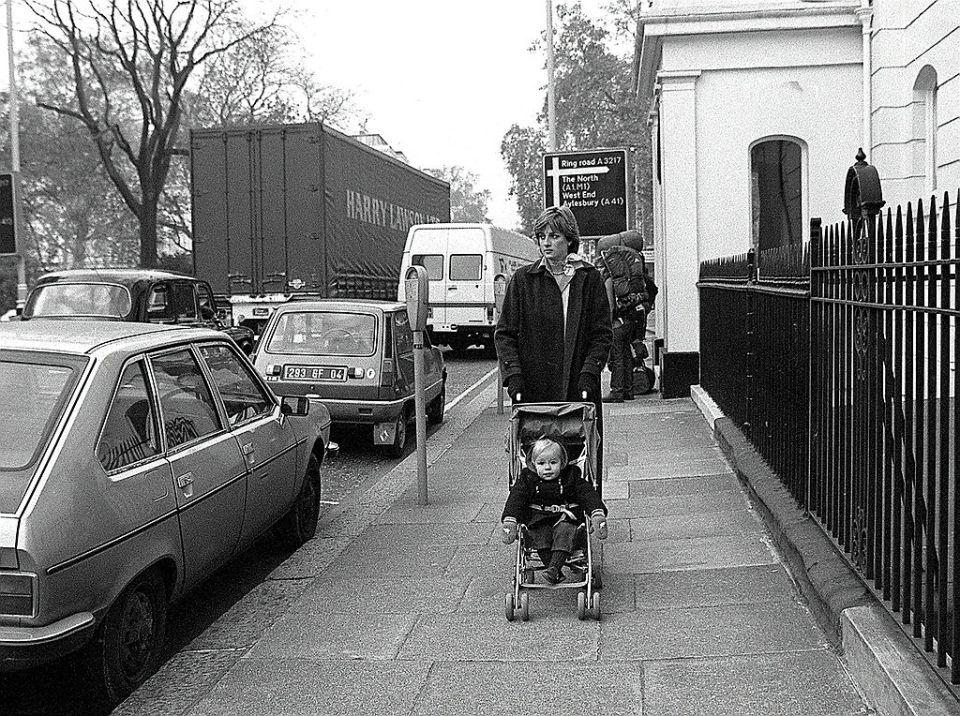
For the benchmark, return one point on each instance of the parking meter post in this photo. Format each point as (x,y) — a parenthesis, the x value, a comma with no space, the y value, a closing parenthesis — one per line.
(417,290)
(499,290)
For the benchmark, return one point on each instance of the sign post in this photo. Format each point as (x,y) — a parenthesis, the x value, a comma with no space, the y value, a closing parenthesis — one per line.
(499,291)
(417,290)
(594,184)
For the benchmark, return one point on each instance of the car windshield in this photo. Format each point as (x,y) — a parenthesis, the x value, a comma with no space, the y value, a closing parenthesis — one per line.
(34,389)
(78,299)
(318,332)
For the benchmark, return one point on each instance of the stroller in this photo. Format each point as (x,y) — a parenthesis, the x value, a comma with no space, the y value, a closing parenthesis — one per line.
(573,425)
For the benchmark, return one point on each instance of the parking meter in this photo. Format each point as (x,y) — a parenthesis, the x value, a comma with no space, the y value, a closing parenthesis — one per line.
(417,288)
(499,291)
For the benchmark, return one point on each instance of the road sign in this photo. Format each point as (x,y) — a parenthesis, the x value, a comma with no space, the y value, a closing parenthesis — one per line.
(8,241)
(594,184)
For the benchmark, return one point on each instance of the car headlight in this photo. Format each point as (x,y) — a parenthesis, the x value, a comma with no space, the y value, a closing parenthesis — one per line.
(16,594)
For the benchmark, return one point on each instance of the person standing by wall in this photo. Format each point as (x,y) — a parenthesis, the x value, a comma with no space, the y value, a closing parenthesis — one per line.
(554,331)
(623,268)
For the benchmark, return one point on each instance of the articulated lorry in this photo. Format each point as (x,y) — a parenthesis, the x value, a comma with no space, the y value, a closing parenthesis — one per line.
(283,211)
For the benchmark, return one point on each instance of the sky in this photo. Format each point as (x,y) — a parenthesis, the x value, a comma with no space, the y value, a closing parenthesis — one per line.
(441,80)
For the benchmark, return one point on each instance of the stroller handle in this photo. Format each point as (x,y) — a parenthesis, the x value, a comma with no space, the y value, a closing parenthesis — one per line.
(517,398)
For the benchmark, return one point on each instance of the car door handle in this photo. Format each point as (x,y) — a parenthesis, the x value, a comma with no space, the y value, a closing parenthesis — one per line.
(247,448)
(185,480)
(451,288)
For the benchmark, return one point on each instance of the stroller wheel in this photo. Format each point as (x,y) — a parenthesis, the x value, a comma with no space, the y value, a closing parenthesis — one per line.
(525,606)
(581,605)
(595,607)
(508,606)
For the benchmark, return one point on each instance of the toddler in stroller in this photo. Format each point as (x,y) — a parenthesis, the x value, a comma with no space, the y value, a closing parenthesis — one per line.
(547,509)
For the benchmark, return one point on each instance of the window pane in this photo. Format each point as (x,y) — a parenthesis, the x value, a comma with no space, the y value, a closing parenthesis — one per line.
(130,432)
(401,329)
(777,194)
(242,395)
(317,332)
(79,299)
(157,306)
(433,263)
(185,401)
(465,267)
(183,301)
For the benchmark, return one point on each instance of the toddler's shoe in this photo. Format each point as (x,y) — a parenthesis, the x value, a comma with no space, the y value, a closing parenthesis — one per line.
(553,575)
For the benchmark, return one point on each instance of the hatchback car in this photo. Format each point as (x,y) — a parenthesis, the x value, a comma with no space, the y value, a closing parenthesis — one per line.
(138,295)
(357,357)
(135,459)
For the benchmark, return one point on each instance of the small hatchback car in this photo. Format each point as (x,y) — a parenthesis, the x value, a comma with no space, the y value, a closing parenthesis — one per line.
(134,460)
(357,357)
(139,295)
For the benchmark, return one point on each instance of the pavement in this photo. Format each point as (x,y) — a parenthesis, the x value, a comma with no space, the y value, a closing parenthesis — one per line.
(396,608)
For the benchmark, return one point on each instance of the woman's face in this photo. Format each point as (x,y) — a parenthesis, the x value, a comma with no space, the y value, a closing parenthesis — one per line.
(553,244)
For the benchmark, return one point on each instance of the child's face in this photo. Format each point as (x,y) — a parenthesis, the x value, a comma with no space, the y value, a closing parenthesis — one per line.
(547,465)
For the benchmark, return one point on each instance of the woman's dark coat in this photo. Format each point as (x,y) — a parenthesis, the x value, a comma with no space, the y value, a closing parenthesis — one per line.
(530,337)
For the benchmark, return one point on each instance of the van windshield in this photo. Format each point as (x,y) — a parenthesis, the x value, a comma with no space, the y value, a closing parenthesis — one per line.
(101,300)
(319,332)
(35,390)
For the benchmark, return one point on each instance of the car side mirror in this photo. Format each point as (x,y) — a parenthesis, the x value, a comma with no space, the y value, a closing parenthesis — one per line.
(294,405)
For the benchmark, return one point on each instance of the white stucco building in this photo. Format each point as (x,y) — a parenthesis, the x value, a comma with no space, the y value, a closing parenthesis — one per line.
(757,109)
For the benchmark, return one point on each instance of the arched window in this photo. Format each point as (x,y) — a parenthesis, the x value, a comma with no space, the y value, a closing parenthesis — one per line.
(925,126)
(776,177)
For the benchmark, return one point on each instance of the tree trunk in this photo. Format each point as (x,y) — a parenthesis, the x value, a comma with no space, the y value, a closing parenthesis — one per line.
(148,234)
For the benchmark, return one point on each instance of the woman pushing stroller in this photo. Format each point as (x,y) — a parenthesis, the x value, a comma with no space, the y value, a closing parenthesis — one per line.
(550,497)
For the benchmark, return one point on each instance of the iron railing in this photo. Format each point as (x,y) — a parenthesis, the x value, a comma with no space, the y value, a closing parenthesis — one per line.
(859,338)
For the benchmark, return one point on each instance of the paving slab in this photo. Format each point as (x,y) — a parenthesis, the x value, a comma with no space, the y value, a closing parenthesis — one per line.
(490,637)
(693,525)
(689,485)
(807,683)
(540,687)
(361,559)
(439,534)
(412,514)
(672,505)
(693,553)
(711,587)
(484,595)
(709,631)
(382,596)
(667,467)
(296,687)
(334,636)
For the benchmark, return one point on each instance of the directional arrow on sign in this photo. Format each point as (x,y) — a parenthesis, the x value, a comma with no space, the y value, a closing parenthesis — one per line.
(555,172)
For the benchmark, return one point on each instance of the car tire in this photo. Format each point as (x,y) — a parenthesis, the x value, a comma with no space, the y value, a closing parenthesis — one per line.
(299,525)
(129,643)
(437,406)
(399,445)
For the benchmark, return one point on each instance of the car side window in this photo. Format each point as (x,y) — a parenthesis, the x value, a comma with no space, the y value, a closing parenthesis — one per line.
(186,403)
(158,307)
(129,433)
(208,306)
(183,299)
(242,395)
(404,336)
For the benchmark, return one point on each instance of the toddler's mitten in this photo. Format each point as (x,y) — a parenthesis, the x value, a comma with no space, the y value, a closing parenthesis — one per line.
(509,528)
(600,523)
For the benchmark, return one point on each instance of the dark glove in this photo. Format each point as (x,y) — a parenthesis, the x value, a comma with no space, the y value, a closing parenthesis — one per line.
(509,529)
(587,383)
(514,386)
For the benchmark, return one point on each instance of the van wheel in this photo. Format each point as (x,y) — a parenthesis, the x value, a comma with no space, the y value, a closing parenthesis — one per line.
(299,525)
(128,646)
(399,444)
(437,406)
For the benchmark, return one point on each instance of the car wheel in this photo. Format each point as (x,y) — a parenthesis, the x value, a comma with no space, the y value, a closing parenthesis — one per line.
(299,525)
(399,436)
(129,644)
(437,406)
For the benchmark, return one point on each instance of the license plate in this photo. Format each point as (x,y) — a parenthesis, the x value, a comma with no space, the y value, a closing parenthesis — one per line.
(313,373)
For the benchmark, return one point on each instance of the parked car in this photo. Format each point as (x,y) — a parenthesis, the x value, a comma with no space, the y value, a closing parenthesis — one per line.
(357,357)
(139,295)
(135,459)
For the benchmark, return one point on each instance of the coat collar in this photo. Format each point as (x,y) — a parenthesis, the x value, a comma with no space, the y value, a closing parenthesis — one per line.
(574,262)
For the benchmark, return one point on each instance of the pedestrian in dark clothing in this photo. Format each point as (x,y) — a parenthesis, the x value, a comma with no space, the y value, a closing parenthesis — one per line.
(551,497)
(553,334)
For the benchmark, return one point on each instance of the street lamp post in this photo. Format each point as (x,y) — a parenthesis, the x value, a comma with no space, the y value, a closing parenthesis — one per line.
(15,162)
(551,94)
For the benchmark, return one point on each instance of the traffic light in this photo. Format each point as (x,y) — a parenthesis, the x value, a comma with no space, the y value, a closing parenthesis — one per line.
(8,239)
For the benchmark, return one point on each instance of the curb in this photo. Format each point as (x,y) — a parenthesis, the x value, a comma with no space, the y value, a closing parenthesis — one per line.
(894,675)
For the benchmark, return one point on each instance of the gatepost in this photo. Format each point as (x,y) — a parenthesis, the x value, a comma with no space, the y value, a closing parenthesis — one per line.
(418,305)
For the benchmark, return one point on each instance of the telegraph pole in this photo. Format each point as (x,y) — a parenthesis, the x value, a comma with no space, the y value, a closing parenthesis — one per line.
(15,162)
(551,94)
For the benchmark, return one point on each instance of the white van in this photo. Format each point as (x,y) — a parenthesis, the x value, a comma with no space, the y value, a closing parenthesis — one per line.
(462,261)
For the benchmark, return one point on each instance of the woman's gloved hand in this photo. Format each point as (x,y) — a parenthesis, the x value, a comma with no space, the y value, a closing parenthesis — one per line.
(587,383)
(509,528)
(514,386)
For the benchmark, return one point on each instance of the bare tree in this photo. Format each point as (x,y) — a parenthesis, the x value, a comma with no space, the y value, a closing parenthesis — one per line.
(155,46)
